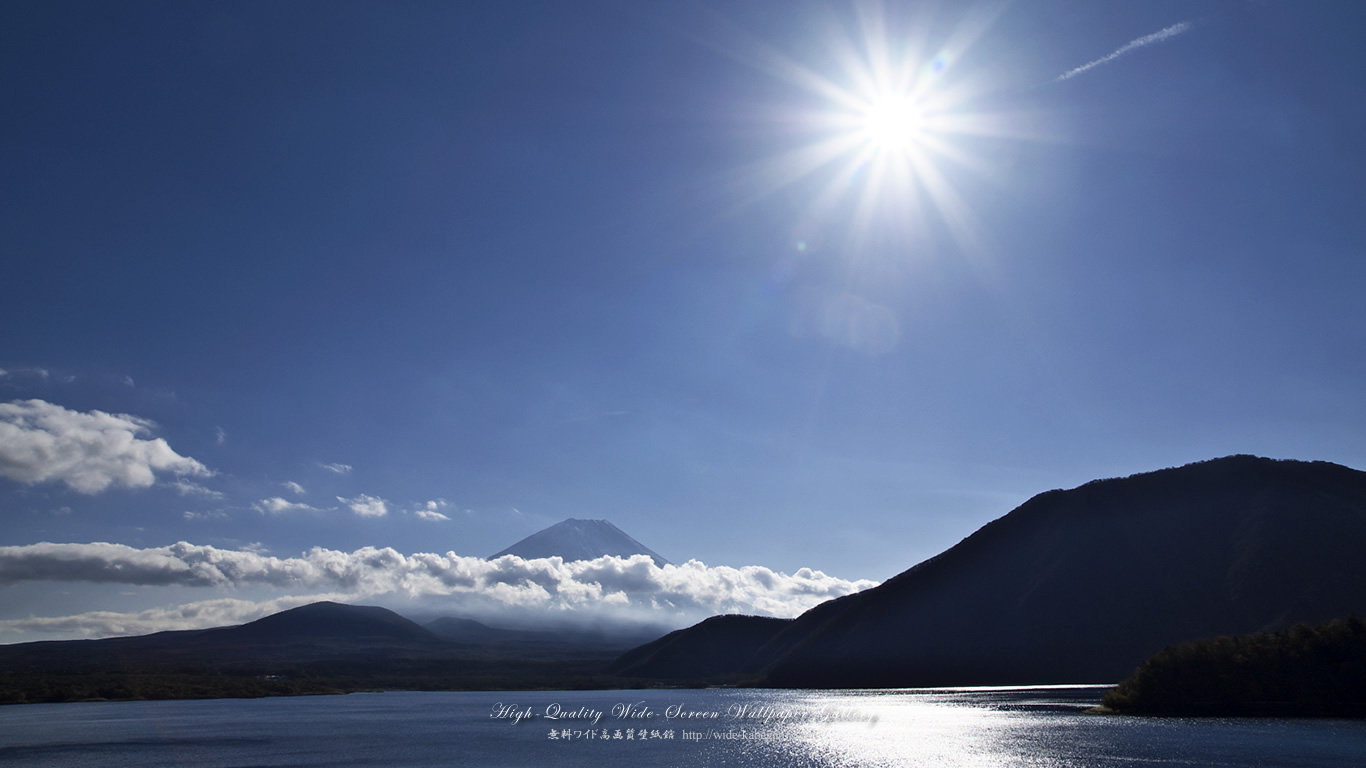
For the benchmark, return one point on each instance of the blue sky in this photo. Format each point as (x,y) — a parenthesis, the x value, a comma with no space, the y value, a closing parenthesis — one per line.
(667,264)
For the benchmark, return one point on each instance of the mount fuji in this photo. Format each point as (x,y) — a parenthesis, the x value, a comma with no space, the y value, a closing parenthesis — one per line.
(574,539)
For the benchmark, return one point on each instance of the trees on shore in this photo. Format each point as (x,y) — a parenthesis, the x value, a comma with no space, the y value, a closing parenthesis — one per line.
(1304,671)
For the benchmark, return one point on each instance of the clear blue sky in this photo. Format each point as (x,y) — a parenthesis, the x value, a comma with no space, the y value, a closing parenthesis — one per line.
(668,264)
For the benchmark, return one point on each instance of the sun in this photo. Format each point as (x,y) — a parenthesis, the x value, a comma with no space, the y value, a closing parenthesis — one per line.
(893,123)
(888,136)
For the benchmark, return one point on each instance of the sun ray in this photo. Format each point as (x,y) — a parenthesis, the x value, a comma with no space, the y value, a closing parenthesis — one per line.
(762,179)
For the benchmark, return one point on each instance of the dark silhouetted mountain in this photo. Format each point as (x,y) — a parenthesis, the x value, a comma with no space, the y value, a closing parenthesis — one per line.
(327,622)
(721,646)
(580,540)
(317,630)
(1082,585)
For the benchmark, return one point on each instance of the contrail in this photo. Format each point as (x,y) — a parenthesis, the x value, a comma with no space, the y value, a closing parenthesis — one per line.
(1146,40)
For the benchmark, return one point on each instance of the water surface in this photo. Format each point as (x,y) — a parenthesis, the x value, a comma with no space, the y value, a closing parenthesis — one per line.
(1040,727)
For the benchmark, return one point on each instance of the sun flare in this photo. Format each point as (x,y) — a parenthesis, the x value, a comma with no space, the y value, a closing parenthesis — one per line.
(890,131)
(893,123)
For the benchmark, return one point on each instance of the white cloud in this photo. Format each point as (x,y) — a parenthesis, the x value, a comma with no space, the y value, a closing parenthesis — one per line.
(220,436)
(1133,45)
(432,510)
(276,505)
(214,515)
(606,587)
(128,381)
(294,488)
(341,469)
(43,442)
(187,488)
(367,506)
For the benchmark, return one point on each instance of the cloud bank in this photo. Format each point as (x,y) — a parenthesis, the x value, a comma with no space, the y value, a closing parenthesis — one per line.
(1159,36)
(608,587)
(41,442)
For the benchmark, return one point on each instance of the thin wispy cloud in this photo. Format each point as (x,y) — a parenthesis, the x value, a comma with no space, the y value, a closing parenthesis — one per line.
(187,488)
(294,488)
(277,505)
(341,469)
(1159,36)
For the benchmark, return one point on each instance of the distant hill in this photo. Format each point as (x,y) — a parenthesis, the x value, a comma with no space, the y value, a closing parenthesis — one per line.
(721,646)
(553,642)
(461,630)
(580,540)
(327,622)
(1082,585)
(318,648)
(318,630)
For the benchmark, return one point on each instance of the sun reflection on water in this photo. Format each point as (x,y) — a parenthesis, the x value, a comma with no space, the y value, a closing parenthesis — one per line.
(939,729)
(910,731)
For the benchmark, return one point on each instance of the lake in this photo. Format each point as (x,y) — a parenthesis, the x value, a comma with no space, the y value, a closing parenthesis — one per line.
(960,727)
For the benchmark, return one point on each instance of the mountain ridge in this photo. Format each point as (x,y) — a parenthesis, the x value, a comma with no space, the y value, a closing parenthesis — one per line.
(1082,584)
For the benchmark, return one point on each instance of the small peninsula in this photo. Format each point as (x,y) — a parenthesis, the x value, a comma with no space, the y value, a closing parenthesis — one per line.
(1304,671)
